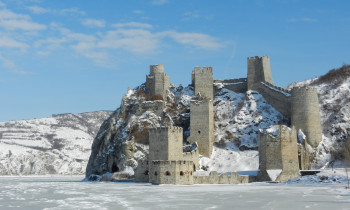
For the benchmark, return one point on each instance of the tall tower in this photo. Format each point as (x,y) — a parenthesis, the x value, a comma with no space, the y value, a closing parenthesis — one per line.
(157,82)
(202,80)
(202,125)
(259,70)
(306,114)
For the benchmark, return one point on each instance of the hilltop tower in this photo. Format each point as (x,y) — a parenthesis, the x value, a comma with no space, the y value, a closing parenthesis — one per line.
(157,82)
(305,114)
(259,70)
(202,80)
(202,125)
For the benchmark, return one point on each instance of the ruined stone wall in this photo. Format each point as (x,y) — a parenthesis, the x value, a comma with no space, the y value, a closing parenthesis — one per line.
(304,159)
(278,152)
(235,85)
(165,143)
(192,156)
(157,82)
(142,171)
(202,80)
(259,70)
(289,151)
(156,107)
(171,172)
(202,125)
(306,114)
(269,152)
(277,97)
(224,178)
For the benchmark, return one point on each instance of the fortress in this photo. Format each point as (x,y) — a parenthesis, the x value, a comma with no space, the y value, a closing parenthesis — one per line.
(281,155)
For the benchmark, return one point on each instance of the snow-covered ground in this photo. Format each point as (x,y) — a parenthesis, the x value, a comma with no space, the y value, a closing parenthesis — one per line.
(71,193)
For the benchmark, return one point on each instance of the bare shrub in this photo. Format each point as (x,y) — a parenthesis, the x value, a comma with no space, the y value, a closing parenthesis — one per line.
(335,76)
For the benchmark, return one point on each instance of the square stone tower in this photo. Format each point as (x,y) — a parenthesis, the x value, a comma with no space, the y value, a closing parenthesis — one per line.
(278,153)
(202,80)
(157,82)
(202,125)
(259,70)
(165,143)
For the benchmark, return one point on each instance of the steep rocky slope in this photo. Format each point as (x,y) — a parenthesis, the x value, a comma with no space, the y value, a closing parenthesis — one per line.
(57,145)
(334,98)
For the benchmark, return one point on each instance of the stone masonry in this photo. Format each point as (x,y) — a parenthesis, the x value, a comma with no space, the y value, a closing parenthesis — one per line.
(306,114)
(278,153)
(259,70)
(202,115)
(157,82)
(202,125)
(202,80)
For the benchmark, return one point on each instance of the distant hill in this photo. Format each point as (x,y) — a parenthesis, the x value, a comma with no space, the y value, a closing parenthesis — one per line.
(57,145)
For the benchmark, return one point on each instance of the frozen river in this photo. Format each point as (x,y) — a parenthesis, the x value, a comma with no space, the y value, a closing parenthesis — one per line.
(71,193)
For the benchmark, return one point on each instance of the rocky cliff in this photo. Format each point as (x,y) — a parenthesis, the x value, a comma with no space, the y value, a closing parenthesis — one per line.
(57,145)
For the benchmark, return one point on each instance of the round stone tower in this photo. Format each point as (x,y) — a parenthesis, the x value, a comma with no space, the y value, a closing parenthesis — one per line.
(305,114)
(156,69)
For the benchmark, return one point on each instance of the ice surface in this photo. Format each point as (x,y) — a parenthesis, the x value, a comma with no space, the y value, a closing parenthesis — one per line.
(71,193)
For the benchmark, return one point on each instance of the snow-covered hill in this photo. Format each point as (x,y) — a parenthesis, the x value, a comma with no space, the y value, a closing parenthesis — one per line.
(57,145)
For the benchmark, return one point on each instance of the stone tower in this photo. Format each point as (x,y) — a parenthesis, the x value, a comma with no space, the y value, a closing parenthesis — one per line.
(202,125)
(157,82)
(305,114)
(202,80)
(259,70)
(165,143)
(278,153)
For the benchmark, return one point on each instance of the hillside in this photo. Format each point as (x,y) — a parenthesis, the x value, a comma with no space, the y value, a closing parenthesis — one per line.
(57,145)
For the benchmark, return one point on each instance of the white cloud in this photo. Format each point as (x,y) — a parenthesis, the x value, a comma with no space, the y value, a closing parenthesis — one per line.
(134,40)
(7,42)
(93,23)
(197,40)
(302,20)
(38,10)
(191,15)
(72,11)
(132,25)
(137,12)
(159,2)
(13,21)
(133,37)
(10,65)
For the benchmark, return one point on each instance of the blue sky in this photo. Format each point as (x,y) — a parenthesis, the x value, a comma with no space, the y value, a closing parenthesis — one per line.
(81,55)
